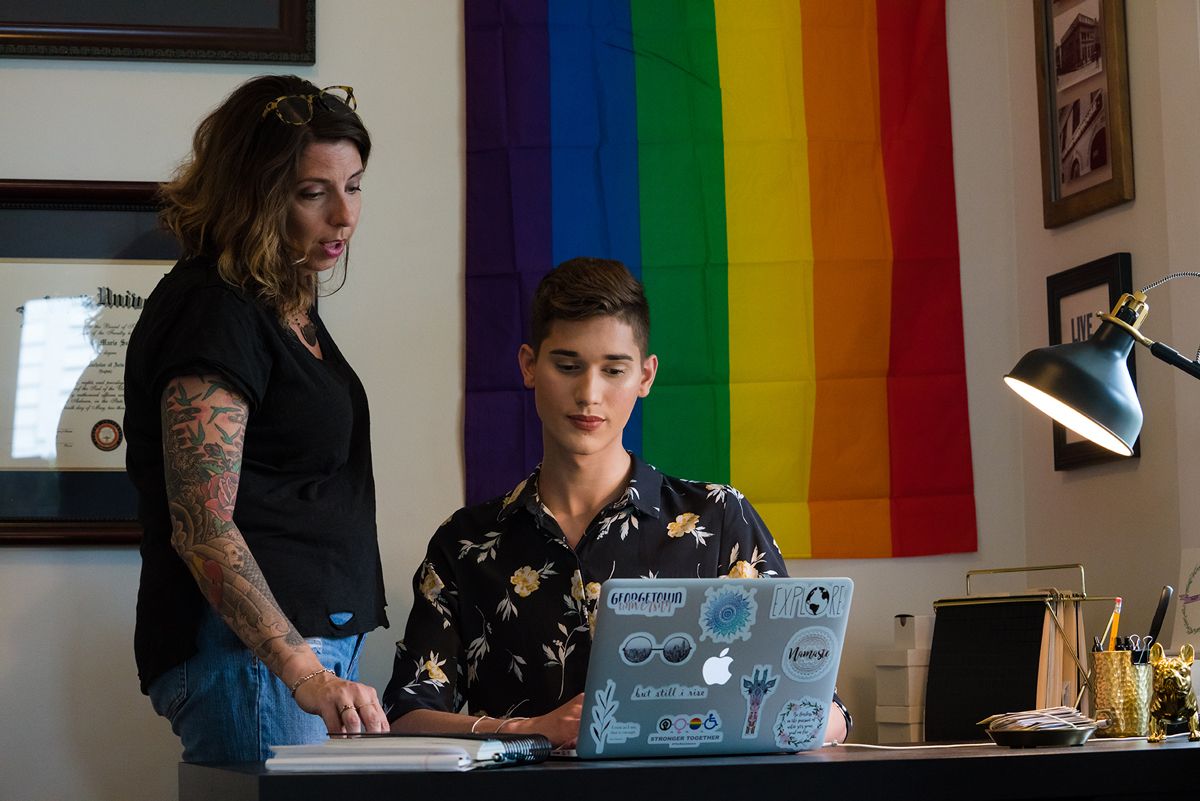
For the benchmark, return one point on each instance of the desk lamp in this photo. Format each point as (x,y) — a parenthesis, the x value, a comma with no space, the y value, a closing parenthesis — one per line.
(1086,385)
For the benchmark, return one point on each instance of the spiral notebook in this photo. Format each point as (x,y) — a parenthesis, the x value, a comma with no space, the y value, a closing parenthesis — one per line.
(683,667)
(410,751)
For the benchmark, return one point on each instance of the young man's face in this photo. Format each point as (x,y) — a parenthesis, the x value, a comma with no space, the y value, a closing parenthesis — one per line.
(586,377)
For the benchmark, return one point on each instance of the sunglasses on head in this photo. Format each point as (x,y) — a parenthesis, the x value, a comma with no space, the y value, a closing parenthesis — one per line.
(298,109)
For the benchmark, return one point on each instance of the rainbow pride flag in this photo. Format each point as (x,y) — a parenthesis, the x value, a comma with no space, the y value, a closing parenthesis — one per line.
(780,177)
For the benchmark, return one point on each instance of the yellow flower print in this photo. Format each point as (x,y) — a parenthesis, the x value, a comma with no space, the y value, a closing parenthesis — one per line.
(431,584)
(526,580)
(512,496)
(593,591)
(743,570)
(577,590)
(433,666)
(684,524)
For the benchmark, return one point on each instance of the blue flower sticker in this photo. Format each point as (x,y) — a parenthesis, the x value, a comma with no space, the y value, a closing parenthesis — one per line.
(728,613)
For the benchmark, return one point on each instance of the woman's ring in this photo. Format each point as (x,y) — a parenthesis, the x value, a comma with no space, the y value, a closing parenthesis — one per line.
(342,711)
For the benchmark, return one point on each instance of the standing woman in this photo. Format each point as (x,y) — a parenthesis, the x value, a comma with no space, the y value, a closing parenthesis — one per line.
(249,437)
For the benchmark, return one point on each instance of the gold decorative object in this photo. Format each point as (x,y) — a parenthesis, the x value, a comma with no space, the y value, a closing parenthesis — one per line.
(1174,698)
(1123,692)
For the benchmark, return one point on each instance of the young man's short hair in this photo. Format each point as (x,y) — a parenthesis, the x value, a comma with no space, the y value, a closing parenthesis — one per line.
(587,287)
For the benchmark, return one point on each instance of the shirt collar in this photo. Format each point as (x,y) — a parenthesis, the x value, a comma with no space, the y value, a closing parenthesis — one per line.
(644,492)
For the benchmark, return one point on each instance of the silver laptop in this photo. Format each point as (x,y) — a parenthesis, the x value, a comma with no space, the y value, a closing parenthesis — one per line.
(712,666)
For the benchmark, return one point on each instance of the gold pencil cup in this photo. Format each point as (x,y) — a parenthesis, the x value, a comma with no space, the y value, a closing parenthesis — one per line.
(1123,692)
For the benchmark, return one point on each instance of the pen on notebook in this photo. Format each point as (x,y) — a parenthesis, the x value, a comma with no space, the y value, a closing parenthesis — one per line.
(1116,618)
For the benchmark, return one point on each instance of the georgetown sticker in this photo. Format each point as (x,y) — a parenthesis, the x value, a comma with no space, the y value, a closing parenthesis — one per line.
(649,603)
(687,731)
(809,654)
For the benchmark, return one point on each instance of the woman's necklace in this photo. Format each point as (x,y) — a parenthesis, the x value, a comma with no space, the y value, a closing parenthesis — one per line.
(309,332)
(307,329)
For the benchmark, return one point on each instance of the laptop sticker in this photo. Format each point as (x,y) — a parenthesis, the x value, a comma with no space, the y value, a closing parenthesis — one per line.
(639,648)
(661,602)
(800,601)
(799,723)
(756,688)
(810,653)
(728,613)
(687,731)
(667,693)
(605,727)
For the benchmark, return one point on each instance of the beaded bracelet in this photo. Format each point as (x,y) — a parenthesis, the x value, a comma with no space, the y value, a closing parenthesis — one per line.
(300,681)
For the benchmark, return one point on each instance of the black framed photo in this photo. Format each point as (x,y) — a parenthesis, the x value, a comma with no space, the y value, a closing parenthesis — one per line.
(1075,299)
(253,31)
(76,261)
(1083,108)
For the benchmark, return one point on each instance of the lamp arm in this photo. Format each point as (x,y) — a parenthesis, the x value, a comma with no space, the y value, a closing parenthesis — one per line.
(1172,356)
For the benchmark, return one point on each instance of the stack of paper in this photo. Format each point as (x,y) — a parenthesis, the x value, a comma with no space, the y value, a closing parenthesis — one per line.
(408,752)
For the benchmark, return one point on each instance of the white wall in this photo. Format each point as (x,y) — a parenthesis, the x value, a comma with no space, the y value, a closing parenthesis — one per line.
(76,725)
(1123,521)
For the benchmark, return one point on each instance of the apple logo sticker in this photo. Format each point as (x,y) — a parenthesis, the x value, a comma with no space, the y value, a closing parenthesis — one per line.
(716,668)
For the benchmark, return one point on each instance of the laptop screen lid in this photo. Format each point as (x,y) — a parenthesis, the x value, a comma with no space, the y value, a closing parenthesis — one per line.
(684,667)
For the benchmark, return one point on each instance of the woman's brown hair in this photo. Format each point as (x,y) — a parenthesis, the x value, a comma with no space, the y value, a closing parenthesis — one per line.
(230,200)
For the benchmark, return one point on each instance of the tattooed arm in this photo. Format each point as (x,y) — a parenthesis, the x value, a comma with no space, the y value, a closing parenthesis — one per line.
(204,425)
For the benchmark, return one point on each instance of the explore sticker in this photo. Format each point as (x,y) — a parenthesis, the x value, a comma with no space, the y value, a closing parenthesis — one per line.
(800,723)
(809,654)
(649,603)
(817,600)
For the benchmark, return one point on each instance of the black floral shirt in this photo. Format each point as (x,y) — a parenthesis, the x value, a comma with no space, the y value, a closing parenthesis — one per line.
(504,608)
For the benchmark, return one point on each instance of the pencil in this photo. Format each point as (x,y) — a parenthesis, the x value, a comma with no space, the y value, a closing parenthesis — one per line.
(1116,618)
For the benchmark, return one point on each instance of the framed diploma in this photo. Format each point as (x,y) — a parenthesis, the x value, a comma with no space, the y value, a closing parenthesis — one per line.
(77,260)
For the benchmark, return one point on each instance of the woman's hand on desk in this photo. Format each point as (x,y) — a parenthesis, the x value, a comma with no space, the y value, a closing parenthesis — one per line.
(561,725)
(347,707)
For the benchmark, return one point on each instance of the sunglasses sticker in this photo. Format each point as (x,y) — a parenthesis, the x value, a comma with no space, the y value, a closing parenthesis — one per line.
(647,603)
(728,613)
(800,723)
(640,647)
(815,601)
(809,653)
(756,689)
(687,731)
(605,727)
(668,693)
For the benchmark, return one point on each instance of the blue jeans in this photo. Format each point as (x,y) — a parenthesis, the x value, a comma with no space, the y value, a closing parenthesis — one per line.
(227,707)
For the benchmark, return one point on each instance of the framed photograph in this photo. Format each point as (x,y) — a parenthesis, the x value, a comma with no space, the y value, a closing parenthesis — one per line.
(1075,299)
(274,31)
(1083,108)
(77,260)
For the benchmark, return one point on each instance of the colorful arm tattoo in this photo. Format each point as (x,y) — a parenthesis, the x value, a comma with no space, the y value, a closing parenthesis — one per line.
(204,425)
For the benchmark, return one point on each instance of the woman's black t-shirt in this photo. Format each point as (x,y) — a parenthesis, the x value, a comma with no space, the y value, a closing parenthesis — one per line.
(306,495)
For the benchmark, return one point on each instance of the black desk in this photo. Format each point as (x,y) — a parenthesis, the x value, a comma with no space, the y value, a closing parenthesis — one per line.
(1107,769)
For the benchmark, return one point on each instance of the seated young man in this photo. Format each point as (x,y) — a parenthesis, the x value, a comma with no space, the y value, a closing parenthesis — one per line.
(506,597)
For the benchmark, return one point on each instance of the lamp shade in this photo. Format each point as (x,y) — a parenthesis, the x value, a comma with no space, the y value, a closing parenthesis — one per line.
(1086,387)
